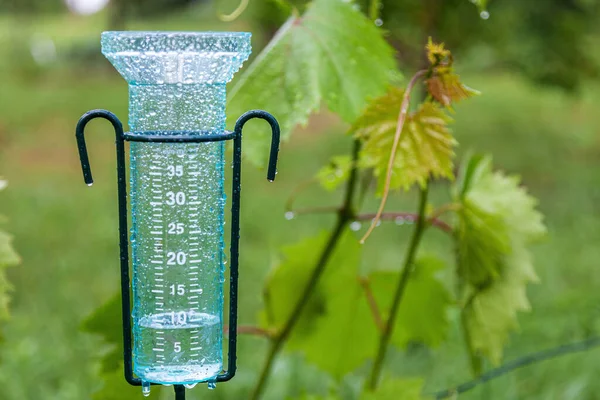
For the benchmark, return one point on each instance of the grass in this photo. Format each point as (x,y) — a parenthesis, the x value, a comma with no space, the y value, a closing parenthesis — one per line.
(66,234)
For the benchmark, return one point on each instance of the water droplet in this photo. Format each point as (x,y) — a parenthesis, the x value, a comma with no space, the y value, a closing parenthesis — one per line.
(190,385)
(212,385)
(90,184)
(378,22)
(146,388)
(355,226)
(484,15)
(399,220)
(289,215)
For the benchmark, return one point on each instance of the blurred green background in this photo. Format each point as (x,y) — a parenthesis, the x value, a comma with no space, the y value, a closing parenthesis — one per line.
(535,64)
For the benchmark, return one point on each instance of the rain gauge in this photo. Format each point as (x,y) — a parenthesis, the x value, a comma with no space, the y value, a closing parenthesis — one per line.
(174,333)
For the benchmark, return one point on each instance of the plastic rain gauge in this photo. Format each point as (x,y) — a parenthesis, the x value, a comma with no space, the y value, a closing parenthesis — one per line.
(177,193)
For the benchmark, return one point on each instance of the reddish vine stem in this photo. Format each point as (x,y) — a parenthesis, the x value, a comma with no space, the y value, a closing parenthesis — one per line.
(366,285)
(399,126)
(251,330)
(438,223)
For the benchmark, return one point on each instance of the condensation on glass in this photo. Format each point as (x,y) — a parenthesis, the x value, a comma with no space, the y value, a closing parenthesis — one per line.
(177,83)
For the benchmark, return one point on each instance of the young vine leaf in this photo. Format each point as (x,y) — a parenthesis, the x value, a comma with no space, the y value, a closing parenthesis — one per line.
(444,85)
(494,262)
(426,146)
(319,57)
(398,389)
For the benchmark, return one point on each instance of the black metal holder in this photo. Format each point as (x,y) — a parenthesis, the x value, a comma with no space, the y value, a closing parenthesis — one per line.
(177,137)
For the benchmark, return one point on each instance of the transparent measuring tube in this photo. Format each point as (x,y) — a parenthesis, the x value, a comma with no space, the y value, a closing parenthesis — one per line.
(178,202)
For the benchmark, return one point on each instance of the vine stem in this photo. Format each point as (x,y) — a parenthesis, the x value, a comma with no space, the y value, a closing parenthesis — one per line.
(374,8)
(388,328)
(399,126)
(438,223)
(236,13)
(345,215)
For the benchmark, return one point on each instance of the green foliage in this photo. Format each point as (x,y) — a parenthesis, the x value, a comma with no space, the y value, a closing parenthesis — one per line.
(314,58)
(116,388)
(398,389)
(8,258)
(426,145)
(496,224)
(281,288)
(338,324)
(335,173)
(105,321)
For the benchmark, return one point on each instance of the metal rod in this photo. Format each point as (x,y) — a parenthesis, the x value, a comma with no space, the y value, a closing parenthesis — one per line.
(179,392)
(178,136)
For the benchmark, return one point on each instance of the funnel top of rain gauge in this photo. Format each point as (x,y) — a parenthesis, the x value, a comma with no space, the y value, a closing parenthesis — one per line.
(157,58)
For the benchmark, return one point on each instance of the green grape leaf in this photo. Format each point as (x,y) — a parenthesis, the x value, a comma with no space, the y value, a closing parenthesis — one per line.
(444,85)
(482,243)
(339,340)
(495,265)
(106,322)
(335,173)
(284,286)
(322,56)
(426,145)
(422,316)
(398,389)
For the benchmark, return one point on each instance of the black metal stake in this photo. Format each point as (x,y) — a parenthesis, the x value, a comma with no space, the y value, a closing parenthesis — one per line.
(177,137)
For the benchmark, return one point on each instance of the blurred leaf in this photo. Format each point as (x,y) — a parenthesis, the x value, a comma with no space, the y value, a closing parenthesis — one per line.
(323,56)
(398,389)
(482,243)
(284,286)
(106,322)
(422,314)
(495,227)
(116,388)
(444,85)
(344,334)
(8,257)
(425,148)
(335,173)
